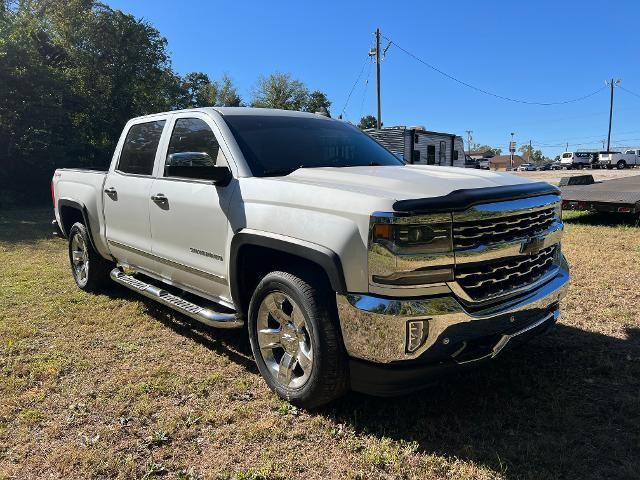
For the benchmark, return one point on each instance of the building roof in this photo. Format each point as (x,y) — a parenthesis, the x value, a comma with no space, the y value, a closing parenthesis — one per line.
(479,152)
(415,129)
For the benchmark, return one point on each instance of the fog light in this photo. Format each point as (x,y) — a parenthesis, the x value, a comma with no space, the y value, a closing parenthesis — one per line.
(417,331)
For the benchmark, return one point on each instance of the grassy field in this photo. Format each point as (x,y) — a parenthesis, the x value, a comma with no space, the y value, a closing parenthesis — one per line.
(112,386)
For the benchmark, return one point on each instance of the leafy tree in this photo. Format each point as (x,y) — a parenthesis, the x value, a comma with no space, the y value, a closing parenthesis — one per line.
(534,156)
(228,94)
(279,90)
(368,121)
(197,90)
(72,74)
(484,148)
(317,101)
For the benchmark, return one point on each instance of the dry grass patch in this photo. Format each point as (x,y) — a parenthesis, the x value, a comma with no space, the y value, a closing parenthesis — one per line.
(113,386)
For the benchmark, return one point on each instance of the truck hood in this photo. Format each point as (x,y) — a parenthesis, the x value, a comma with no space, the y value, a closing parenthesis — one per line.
(402,182)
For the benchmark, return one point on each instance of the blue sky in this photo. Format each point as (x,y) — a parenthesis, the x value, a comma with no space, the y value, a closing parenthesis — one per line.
(544,51)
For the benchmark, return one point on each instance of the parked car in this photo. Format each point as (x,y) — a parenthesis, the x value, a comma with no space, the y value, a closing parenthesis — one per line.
(556,166)
(546,166)
(483,163)
(630,158)
(576,160)
(527,167)
(470,162)
(348,268)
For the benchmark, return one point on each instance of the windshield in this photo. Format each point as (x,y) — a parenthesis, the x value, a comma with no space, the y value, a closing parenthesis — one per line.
(278,145)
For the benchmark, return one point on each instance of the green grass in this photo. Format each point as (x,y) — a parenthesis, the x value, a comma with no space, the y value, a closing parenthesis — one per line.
(113,386)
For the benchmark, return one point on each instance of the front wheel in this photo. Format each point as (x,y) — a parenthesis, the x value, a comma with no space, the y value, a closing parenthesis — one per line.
(89,269)
(621,165)
(295,338)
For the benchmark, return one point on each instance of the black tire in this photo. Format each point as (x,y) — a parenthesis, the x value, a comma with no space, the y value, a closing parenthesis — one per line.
(93,274)
(621,165)
(329,375)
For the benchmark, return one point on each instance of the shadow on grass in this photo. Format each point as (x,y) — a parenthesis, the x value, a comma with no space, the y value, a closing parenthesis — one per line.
(233,343)
(599,219)
(565,405)
(25,225)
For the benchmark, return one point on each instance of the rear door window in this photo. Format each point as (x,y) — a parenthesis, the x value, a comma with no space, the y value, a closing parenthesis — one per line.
(139,149)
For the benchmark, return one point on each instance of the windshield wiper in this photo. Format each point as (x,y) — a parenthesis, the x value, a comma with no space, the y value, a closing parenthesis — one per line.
(370,164)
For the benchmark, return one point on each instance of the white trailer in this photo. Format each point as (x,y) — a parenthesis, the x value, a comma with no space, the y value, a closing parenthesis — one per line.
(422,147)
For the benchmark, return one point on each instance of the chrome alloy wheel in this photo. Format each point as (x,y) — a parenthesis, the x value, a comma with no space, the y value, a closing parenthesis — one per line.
(80,259)
(284,340)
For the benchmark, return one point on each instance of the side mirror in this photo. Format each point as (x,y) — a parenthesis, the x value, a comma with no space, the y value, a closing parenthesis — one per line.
(196,165)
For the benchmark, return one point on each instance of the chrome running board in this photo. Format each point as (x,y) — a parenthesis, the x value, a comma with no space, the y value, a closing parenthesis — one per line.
(201,314)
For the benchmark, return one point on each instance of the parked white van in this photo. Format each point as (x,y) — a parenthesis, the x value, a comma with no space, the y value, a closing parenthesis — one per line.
(578,160)
(619,160)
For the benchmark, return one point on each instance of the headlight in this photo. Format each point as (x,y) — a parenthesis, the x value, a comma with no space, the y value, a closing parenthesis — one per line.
(413,234)
(408,251)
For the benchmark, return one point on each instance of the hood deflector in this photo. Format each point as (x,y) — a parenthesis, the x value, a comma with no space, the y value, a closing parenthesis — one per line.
(460,200)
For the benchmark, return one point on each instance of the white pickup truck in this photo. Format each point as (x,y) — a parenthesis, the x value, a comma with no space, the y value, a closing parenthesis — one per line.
(349,268)
(618,160)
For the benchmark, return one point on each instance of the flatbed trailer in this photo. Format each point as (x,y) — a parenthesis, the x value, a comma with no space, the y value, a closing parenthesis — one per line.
(621,195)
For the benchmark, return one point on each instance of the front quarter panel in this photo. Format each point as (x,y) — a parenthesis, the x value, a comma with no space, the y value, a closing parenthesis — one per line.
(306,213)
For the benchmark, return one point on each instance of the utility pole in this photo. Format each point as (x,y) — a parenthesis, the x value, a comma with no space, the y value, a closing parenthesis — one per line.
(566,148)
(512,149)
(469,138)
(530,152)
(611,83)
(379,121)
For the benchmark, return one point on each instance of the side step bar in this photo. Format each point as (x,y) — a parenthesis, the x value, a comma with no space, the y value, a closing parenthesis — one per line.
(201,314)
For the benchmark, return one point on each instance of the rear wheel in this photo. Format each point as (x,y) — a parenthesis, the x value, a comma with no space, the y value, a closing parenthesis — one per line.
(621,165)
(89,269)
(295,338)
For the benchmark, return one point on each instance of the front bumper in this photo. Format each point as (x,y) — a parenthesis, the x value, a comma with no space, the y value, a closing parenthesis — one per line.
(383,331)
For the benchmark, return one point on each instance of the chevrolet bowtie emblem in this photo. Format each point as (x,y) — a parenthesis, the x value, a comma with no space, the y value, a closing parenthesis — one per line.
(533,245)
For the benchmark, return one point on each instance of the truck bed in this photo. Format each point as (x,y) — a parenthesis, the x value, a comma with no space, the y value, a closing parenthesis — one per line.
(619,195)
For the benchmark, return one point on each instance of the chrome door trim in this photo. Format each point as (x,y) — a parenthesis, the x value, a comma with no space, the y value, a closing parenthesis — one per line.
(166,261)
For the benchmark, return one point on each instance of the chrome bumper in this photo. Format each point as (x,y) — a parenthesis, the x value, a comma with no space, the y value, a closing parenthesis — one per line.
(387,330)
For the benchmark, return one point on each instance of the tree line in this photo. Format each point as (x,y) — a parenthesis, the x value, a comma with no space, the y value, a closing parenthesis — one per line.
(72,73)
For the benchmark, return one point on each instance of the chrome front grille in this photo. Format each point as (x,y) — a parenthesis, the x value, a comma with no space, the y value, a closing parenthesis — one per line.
(482,281)
(474,233)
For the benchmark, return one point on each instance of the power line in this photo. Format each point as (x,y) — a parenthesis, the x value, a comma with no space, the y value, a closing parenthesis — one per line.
(364,91)
(628,91)
(353,87)
(502,97)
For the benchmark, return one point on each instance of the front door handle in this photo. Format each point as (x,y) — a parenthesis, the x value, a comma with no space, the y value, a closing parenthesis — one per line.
(112,192)
(160,199)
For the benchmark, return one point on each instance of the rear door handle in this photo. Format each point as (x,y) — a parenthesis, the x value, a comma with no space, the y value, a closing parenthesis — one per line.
(112,192)
(159,198)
